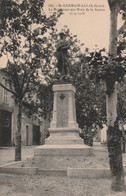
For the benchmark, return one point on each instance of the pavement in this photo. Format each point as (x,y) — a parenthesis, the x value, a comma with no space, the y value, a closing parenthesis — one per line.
(37,185)
(7,153)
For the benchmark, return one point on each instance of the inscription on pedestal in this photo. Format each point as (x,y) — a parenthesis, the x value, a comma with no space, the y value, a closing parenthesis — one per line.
(62,109)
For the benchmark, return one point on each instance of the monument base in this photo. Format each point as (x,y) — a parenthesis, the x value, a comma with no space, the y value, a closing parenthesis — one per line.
(61,156)
(64,148)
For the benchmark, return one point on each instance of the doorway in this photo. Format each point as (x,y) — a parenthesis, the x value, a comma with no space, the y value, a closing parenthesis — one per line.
(27,135)
(36,135)
(5,128)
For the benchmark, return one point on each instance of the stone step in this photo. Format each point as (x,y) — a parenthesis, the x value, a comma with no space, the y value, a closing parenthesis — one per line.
(64,141)
(61,156)
(74,150)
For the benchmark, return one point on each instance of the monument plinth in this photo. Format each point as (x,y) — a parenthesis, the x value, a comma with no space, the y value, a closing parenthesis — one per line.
(64,128)
(64,107)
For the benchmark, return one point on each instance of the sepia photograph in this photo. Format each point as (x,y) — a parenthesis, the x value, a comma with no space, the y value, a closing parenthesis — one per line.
(62,97)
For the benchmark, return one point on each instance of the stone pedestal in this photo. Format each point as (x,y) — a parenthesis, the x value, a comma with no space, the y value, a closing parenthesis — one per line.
(64,107)
(64,128)
(64,148)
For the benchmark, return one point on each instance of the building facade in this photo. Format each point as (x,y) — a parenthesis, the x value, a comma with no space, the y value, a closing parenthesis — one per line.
(32,129)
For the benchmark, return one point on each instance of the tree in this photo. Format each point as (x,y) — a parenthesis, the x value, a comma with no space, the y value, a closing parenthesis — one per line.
(121,88)
(24,36)
(113,133)
(90,106)
(90,103)
(111,70)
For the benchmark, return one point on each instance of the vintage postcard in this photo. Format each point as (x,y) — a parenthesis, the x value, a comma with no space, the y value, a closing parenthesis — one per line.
(62,97)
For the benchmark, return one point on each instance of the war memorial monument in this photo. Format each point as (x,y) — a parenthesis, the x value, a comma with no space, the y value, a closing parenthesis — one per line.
(64,148)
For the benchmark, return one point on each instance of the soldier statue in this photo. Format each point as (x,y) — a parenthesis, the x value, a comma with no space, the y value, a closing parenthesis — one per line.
(62,56)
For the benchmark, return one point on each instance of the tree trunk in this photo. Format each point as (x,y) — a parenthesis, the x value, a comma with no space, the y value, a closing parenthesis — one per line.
(18,134)
(113,132)
(114,145)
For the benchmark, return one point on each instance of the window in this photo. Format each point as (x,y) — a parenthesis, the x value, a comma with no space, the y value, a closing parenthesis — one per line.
(27,135)
(5,92)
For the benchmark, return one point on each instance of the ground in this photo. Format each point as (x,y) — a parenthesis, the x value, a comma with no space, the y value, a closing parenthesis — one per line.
(7,154)
(40,185)
(19,185)
(22,185)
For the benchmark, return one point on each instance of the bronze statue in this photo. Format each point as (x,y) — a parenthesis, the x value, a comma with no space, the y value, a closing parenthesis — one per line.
(62,56)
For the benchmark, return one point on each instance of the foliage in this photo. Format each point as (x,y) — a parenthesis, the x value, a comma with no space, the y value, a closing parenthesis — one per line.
(90,103)
(102,68)
(45,96)
(24,37)
(24,31)
(122,102)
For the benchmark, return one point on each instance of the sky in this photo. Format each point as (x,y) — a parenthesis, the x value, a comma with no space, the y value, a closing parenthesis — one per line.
(88,19)
(91,27)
